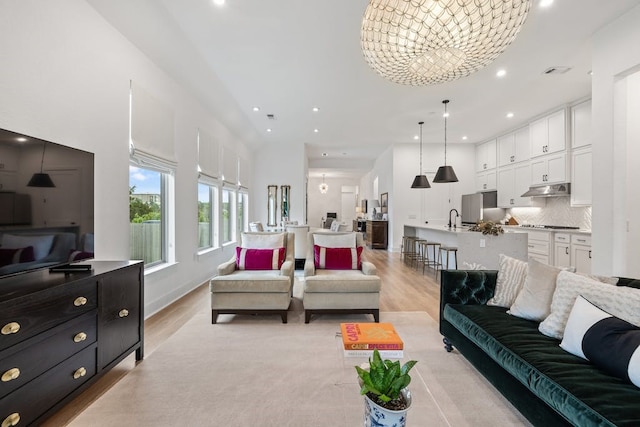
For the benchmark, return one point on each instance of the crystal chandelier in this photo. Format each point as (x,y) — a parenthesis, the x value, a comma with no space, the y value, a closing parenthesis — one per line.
(423,42)
(323,187)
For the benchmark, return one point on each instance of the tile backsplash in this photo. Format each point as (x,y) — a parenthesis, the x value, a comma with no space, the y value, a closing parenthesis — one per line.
(557,211)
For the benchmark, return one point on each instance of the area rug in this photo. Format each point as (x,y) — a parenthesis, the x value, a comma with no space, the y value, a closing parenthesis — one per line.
(256,371)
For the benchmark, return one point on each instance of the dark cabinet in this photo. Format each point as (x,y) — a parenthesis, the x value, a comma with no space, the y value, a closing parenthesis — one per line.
(376,235)
(60,332)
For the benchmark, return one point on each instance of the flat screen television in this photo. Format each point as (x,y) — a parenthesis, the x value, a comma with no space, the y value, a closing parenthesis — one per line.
(46,204)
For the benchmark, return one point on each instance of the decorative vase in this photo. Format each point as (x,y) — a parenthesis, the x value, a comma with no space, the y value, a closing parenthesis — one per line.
(378,416)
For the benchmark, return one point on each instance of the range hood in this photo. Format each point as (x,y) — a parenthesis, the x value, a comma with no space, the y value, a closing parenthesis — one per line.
(555,190)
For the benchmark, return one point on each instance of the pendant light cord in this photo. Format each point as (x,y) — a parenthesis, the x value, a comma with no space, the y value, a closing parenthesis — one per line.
(44,147)
(420,171)
(445,102)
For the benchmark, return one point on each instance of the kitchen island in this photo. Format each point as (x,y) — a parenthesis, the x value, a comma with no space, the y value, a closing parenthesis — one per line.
(475,250)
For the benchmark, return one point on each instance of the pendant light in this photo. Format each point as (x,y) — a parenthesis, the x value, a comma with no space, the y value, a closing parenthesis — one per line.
(420,181)
(323,187)
(445,173)
(41,179)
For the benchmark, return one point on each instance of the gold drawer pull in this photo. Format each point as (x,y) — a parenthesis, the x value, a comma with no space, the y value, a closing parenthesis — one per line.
(80,301)
(10,375)
(11,328)
(123,313)
(11,420)
(80,336)
(79,373)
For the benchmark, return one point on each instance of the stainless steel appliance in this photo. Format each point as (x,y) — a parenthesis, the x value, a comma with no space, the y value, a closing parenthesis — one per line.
(481,206)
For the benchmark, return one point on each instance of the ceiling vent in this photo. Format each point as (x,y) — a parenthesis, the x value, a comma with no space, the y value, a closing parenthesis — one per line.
(556,70)
(271,116)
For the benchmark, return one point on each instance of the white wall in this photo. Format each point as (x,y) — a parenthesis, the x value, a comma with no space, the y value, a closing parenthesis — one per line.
(320,204)
(615,55)
(65,78)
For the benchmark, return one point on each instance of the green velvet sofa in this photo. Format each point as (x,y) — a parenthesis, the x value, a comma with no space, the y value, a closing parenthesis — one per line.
(549,386)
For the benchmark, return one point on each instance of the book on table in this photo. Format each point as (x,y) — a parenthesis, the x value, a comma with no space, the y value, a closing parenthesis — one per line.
(360,339)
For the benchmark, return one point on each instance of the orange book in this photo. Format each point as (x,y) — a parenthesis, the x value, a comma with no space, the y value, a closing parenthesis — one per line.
(369,336)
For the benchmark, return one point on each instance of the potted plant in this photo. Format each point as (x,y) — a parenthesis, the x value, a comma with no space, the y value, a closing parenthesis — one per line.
(384,385)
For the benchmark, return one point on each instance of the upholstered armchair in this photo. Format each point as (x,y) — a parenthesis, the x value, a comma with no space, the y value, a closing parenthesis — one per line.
(258,279)
(336,279)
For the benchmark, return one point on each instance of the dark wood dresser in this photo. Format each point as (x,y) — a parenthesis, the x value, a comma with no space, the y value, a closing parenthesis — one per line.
(60,332)
(376,235)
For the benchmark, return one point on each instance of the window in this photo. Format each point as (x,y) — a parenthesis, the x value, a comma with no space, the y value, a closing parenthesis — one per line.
(148,203)
(207,216)
(228,215)
(243,209)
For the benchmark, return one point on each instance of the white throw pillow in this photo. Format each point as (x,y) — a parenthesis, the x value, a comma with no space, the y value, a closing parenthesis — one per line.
(534,299)
(263,241)
(41,243)
(610,343)
(621,301)
(512,273)
(329,240)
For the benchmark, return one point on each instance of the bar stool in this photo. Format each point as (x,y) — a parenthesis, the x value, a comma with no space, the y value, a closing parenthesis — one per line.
(448,250)
(435,250)
(420,252)
(408,250)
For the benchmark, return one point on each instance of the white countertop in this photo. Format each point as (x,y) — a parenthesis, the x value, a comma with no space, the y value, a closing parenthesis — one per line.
(517,228)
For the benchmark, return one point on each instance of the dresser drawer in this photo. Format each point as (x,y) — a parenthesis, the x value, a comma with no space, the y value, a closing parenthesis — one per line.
(538,247)
(36,397)
(25,361)
(24,317)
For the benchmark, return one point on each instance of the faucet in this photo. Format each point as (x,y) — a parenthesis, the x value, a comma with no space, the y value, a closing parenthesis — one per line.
(457,215)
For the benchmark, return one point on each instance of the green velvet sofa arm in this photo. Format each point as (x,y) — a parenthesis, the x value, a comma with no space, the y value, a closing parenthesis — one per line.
(466,287)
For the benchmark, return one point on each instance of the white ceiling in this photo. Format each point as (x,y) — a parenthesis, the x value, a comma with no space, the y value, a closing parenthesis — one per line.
(287,56)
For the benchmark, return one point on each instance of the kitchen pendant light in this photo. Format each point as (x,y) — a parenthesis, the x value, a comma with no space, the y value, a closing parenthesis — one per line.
(445,173)
(42,180)
(323,187)
(420,181)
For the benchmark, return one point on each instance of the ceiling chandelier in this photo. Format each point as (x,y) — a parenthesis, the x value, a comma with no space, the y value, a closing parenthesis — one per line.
(323,187)
(423,42)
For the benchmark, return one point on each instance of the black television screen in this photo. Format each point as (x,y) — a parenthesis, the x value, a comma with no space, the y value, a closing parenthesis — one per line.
(46,203)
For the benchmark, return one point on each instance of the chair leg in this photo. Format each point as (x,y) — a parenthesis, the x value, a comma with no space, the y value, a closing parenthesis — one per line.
(376,316)
(214,317)
(284,317)
(307,316)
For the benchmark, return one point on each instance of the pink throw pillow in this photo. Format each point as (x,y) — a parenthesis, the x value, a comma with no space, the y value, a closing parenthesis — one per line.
(16,256)
(259,259)
(337,258)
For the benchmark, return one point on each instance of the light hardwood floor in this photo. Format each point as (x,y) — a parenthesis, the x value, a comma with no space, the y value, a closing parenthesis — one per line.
(404,288)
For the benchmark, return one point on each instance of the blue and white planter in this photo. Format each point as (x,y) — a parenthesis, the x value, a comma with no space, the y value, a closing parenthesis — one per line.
(377,416)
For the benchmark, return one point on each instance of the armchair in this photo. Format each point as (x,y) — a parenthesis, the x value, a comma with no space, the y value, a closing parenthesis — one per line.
(336,291)
(251,290)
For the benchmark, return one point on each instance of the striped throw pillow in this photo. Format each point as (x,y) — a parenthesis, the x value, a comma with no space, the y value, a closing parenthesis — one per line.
(337,258)
(259,259)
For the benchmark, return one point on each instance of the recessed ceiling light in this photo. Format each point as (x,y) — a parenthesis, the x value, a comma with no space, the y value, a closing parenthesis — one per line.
(416,137)
(464,138)
(219,2)
(590,72)
(21,139)
(445,115)
(509,115)
(315,109)
(501,72)
(324,154)
(256,108)
(546,3)
(316,130)
(268,129)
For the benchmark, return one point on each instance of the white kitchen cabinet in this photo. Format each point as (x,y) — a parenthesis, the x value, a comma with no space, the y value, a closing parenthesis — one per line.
(513,181)
(486,181)
(581,253)
(8,181)
(548,134)
(581,125)
(540,246)
(581,182)
(562,250)
(551,169)
(513,147)
(8,158)
(486,156)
